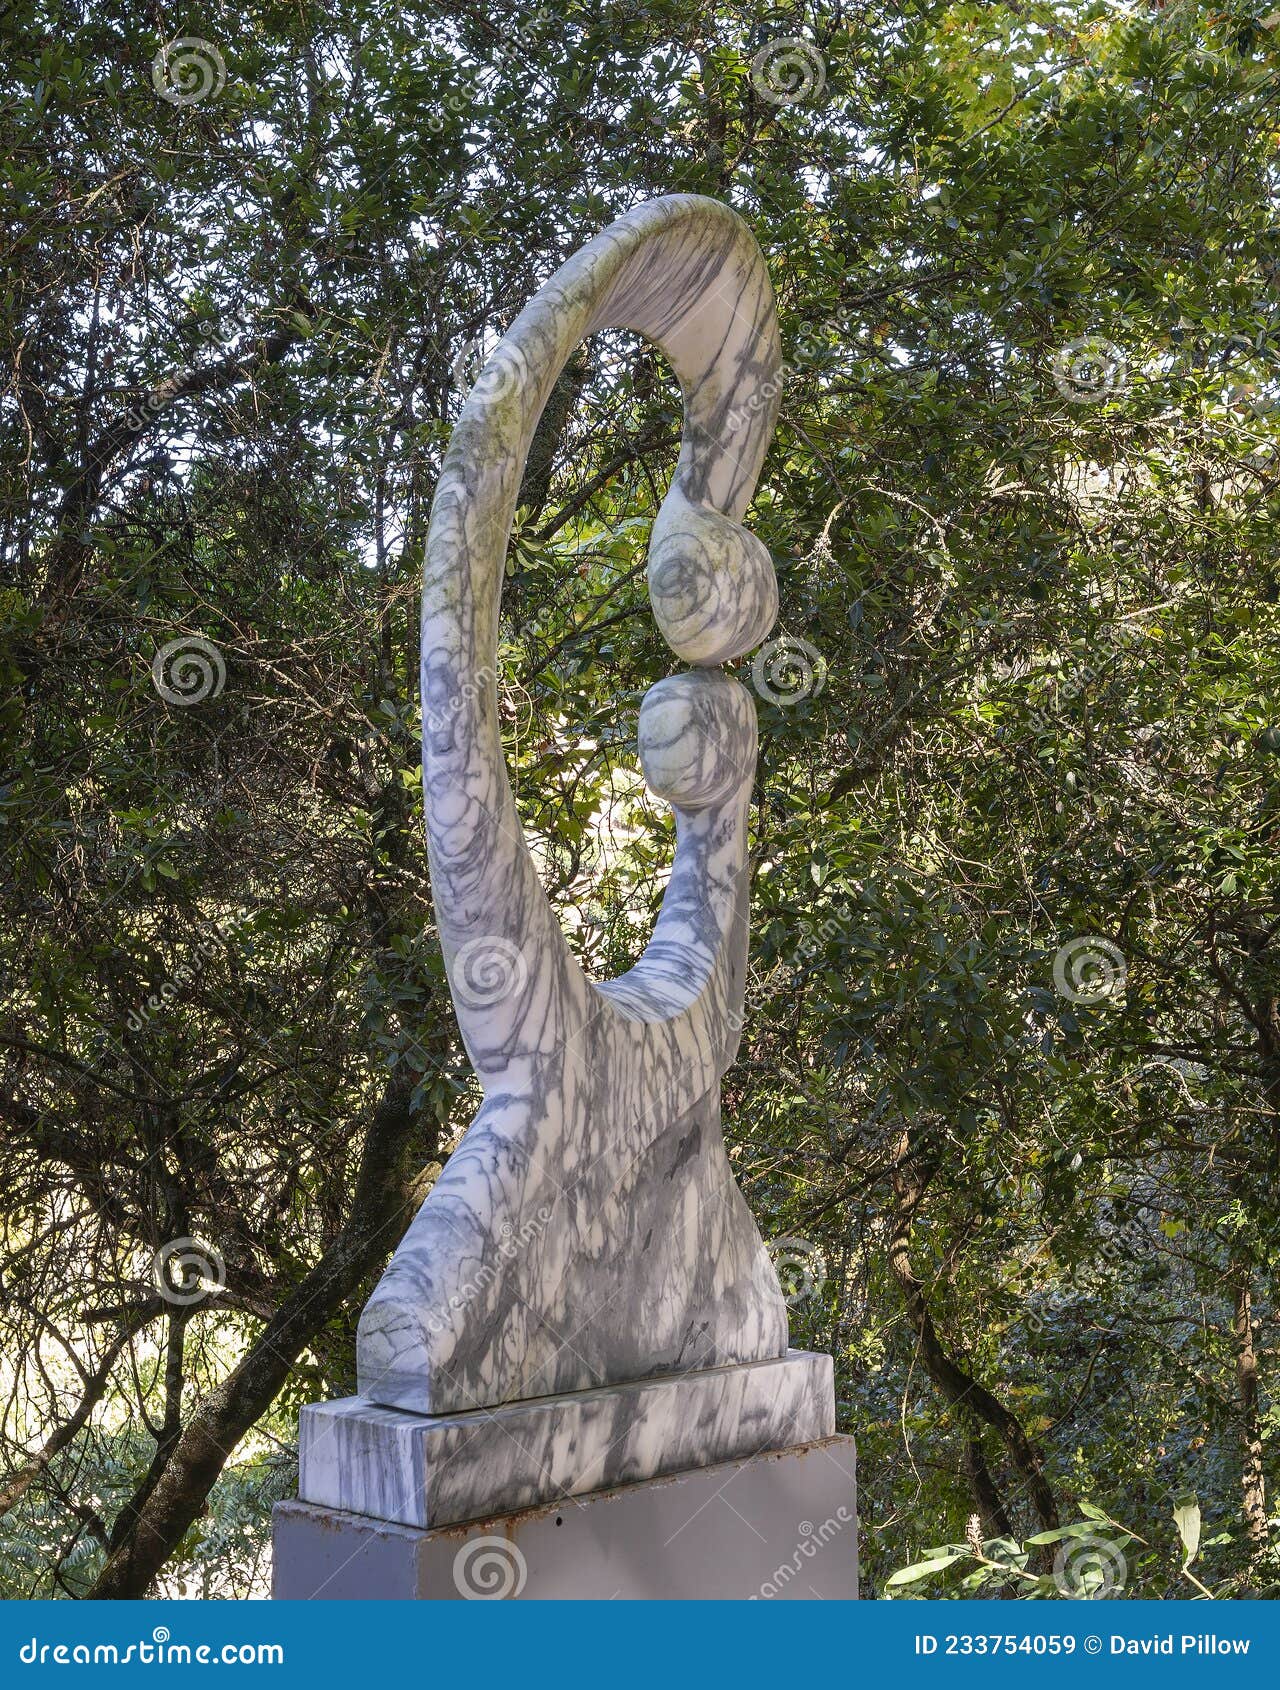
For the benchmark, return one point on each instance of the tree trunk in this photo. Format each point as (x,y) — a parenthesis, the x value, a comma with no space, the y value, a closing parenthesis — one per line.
(379,1213)
(959,1388)
(987,1499)
(1252,1480)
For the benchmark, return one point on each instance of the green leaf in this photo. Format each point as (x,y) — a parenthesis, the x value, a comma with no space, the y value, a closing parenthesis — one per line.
(1186,1516)
(1079,1528)
(922,1569)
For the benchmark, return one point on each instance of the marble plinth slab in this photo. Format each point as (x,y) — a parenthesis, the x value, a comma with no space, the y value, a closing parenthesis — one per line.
(778,1526)
(435,1470)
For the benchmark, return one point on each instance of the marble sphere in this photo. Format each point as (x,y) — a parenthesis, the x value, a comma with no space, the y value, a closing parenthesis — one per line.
(711,584)
(697,738)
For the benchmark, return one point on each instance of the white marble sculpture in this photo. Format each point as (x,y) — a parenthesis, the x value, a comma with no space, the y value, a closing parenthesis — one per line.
(587,1233)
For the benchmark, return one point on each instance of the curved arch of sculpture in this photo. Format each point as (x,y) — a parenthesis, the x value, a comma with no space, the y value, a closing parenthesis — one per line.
(588,1229)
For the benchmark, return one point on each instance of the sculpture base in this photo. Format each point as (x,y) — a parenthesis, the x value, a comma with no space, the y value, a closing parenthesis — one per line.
(779,1525)
(429,1470)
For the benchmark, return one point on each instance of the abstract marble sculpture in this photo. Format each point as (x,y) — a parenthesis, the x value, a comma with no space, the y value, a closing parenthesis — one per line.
(584,1299)
(588,1230)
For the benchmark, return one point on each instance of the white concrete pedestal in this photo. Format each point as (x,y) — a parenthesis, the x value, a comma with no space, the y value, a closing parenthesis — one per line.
(779,1524)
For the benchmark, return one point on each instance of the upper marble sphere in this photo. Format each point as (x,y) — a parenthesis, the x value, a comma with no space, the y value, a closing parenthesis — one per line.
(588,1231)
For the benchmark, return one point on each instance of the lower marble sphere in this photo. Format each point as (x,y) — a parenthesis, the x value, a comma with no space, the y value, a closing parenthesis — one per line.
(697,738)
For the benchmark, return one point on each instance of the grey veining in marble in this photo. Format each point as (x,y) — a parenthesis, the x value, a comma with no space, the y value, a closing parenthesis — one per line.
(588,1231)
(436,1470)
